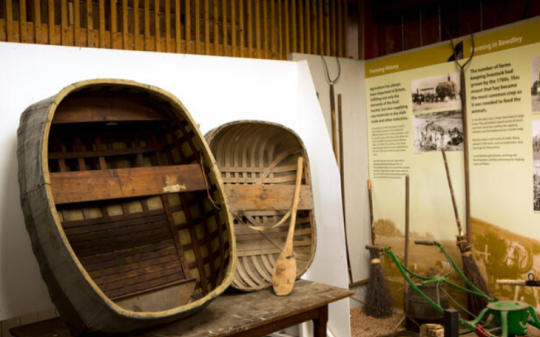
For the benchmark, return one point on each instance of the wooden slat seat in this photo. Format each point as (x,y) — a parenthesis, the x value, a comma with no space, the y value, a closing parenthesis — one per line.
(82,186)
(128,255)
(267,197)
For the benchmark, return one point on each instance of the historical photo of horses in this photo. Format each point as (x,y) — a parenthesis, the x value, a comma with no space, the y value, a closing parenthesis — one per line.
(435,93)
(536,163)
(434,131)
(535,84)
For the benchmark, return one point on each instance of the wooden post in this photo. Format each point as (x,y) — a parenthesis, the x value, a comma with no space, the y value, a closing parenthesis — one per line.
(76,23)
(233,28)
(177,26)
(188,25)
(197,28)
(216,27)
(63,22)
(114,24)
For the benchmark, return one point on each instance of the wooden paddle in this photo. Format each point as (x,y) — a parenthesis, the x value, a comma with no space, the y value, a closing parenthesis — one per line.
(284,273)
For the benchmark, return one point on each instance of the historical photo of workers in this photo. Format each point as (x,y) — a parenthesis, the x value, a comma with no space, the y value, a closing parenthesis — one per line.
(435,93)
(535,84)
(434,131)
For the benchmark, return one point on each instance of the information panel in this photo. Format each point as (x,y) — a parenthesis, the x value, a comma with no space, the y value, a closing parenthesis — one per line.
(414,111)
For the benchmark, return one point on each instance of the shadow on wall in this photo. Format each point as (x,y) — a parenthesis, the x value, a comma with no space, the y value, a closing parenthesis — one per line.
(20,280)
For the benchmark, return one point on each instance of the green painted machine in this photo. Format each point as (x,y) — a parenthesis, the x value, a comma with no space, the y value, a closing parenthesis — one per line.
(498,319)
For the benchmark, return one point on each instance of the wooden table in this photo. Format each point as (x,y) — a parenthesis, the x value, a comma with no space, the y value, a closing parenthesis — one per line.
(245,314)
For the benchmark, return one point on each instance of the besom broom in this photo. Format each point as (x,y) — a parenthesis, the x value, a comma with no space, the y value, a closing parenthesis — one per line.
(476,304)
(470,268)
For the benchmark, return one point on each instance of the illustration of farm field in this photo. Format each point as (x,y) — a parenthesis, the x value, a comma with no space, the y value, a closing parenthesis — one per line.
(436,93)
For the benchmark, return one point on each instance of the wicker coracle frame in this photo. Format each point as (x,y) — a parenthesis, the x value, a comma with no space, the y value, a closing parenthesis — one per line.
(118,189)
(257,161)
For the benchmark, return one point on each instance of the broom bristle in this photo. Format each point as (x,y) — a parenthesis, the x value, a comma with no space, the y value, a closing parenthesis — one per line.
(378,303)
(472,273)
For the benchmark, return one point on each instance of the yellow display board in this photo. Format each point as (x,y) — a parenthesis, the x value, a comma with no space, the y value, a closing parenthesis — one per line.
(414,111)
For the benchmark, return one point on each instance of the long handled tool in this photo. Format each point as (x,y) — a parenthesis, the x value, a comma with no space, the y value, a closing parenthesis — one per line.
(338,148)
(470,269)
(284,273)
(378,303)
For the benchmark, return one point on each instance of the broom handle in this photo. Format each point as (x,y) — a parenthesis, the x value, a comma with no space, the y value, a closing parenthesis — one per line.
(370,198)
(334,127)
(465,154)
(452,194)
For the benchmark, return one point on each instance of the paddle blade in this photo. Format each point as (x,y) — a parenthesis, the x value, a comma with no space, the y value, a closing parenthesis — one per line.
(284,274)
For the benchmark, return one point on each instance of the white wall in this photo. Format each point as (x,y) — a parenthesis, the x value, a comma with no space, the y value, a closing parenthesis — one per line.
(215,90)
(351,86)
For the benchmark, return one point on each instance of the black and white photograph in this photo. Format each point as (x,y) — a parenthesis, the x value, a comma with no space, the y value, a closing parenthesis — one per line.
(535,84)
(438,130)
(436,93)
(536,163)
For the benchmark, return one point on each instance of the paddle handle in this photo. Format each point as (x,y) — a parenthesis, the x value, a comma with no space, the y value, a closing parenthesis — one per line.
(294,209)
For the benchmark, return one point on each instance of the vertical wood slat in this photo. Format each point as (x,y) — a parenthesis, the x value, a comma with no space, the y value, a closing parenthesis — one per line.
(9,21)
(167,25)
(301,26)
(265,28)
(333,35)
(280,31)
(273,28)
(102,23)
(125,27)
(224,28)
(63,22)
(136,28)
(188,25)
(177,26)
(113,22)
(89,24)
(197,28)
(216,27)
(320,24)
(315,28)
(327,26)
(258,28)
(308,27)
(294,42)
(233,28)
(22,21)
(250,28)
(287,36)
(157,37)
(77,23)
(339,26)
(146,24)
(51,21)
(345,29)
(37,21)
(241,26)
(206,27)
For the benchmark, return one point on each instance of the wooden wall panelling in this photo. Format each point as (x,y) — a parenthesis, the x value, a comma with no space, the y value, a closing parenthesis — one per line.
(269,29)
(411,27)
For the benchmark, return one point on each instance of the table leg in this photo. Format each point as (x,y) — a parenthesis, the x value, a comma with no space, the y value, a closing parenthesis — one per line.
(319,324)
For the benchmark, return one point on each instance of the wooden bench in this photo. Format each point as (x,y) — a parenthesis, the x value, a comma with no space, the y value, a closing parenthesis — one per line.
(234,315)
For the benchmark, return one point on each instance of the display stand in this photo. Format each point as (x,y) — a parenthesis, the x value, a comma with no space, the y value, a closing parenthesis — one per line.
(237,314)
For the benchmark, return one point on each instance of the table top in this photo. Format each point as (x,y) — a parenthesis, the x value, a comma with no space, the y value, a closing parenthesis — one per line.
(227,314)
